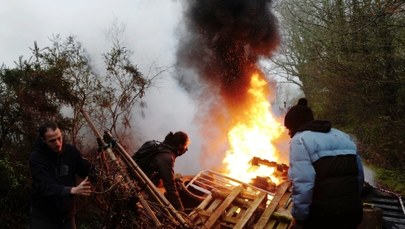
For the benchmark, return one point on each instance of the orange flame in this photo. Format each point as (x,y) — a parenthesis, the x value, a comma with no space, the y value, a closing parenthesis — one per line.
(253,136)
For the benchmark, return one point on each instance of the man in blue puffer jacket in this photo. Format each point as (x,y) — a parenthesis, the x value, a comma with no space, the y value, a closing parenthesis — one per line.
(325,170)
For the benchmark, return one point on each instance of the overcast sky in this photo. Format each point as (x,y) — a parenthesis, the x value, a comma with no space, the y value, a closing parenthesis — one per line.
(150,32)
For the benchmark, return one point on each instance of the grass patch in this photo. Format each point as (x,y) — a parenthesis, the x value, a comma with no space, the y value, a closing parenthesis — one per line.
(390,179)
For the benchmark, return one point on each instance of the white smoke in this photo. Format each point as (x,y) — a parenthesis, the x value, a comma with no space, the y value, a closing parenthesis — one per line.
(150,28)
(369,175)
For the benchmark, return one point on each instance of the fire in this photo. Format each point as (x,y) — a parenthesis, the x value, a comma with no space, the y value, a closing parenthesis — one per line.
(253,135)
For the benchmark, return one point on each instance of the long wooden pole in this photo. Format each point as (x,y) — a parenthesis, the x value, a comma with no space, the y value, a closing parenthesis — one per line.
(152,189)
(114,159)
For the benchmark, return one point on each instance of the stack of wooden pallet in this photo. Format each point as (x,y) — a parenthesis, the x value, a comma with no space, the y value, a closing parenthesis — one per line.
(243,207)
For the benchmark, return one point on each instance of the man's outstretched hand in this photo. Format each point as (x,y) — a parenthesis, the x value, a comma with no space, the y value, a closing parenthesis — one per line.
(83,189)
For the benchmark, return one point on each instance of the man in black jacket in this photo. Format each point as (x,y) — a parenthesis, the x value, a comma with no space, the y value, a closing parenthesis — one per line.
(54,166)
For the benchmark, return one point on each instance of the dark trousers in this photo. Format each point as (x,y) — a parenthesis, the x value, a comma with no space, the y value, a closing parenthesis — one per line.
(332,223)
(40,221)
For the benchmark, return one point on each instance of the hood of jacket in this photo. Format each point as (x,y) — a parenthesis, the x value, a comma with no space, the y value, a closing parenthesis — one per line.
(323,126)
(168,149)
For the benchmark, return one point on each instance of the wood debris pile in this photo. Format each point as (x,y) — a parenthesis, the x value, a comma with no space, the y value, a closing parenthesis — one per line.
(223,202)
(230,203)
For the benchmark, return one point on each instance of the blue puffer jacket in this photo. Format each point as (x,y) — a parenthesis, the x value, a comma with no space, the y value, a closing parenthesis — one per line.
(326,173)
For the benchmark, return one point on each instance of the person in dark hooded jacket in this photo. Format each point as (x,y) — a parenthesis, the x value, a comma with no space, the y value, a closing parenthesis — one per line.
(161,167)
(325,170)
(54,166)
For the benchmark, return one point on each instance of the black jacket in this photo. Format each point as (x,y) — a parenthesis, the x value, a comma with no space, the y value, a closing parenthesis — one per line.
(53,176)
(163,164)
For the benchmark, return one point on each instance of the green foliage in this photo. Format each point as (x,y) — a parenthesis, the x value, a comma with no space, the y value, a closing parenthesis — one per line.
(123,86)
(392,179)
(88,214)
(56,83)
(13,193)
(349,56)
(10,177)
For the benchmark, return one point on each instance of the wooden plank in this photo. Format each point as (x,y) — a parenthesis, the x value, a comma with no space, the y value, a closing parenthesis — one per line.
(225,192)
(232,215)
(233,211)
(249,196)
(285,200)
(289,205)
(224,225)
(273,205)
(193,214)
(205,202)
(282,225)
(214,205)
(283,215)
(230,219)
(238,200)
(270,224)
(203,213)
(251,210)
(218,212)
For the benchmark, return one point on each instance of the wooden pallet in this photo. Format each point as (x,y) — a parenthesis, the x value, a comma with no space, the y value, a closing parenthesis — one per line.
(238,208)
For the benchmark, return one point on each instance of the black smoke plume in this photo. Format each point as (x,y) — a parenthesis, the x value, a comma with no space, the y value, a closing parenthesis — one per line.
(217,55)
(224,40)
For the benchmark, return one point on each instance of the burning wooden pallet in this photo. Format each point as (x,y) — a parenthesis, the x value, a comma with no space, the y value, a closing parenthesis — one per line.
(234,204)
(226,202)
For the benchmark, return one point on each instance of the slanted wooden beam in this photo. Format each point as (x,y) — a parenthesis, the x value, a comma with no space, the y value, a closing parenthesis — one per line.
(251,210)
(272,206)
(222,207)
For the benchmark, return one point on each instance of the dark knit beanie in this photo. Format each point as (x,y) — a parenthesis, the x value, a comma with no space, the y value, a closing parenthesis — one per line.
(298,115)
